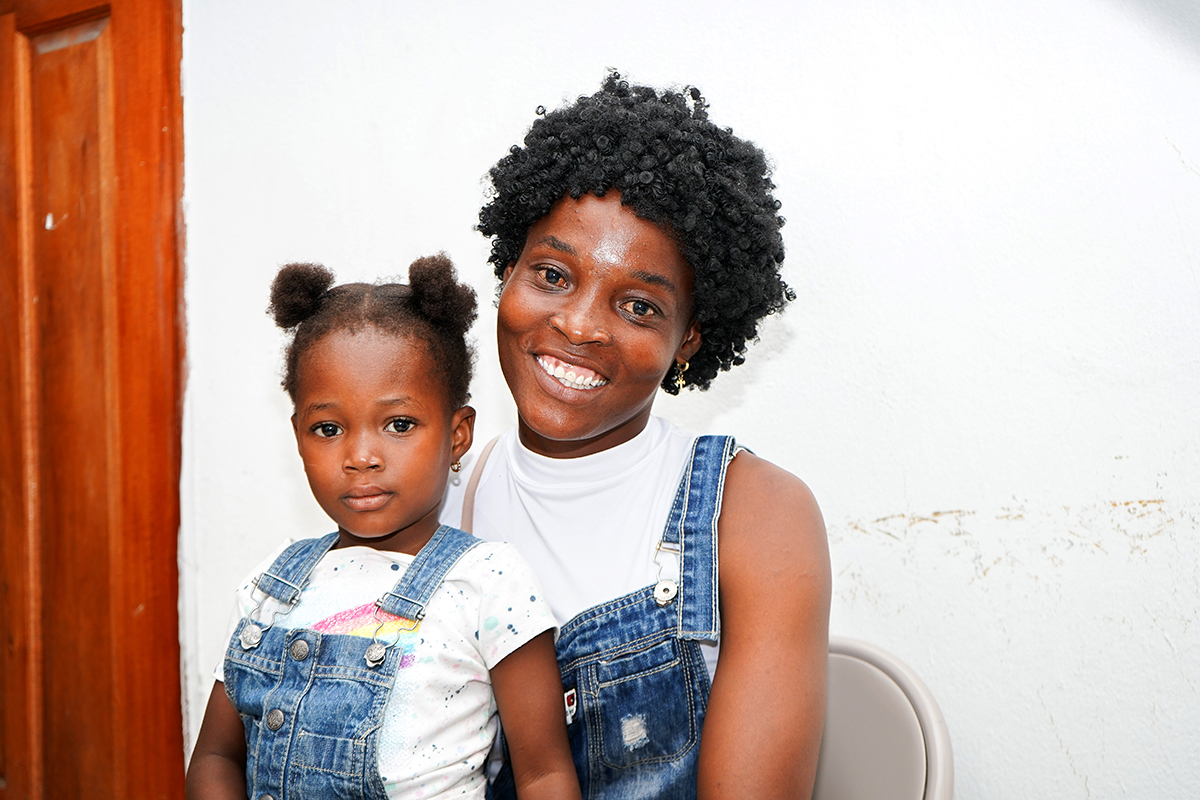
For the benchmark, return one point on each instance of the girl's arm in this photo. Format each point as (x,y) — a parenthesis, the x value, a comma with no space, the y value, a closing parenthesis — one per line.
(218,767)
(529,697)
(766,713)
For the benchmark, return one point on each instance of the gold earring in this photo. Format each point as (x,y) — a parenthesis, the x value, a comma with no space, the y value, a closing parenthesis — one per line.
(456,466)
(679,370)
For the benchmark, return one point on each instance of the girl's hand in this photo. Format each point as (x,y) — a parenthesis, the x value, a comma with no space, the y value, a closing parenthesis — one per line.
(766,713)
(218,767)
(529,697)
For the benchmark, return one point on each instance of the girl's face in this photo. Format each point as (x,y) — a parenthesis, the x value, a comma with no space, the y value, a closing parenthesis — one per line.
(377,436)
(591,317)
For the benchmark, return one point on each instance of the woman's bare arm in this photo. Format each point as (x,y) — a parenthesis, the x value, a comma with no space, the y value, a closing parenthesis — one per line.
(529,697)
(218,767)
(762,730)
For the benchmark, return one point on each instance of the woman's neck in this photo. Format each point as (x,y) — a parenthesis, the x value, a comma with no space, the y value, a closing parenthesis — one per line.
(576,448)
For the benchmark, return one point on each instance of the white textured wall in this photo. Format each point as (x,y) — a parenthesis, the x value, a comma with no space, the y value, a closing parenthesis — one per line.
(991,378)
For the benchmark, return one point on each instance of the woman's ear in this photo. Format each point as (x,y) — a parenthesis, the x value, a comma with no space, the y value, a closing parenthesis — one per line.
(462,426)
(691,342)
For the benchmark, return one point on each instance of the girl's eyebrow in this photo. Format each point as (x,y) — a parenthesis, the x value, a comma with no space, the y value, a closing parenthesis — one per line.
(314,408)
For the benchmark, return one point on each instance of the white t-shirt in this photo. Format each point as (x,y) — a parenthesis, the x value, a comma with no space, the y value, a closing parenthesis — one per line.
(588,526)
(440,719)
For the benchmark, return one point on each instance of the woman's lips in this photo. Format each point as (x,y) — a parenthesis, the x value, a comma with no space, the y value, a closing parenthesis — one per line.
(571,376)
(366,498)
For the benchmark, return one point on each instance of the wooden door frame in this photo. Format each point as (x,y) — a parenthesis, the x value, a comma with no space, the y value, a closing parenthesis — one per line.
(148,243)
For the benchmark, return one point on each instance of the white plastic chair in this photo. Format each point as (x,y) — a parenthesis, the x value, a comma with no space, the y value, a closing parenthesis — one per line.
(885,738)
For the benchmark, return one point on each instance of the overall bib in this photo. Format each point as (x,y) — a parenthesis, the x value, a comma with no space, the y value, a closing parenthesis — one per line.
(313,703)
(633,673)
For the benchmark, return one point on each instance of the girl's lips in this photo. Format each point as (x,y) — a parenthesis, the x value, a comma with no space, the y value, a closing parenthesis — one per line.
(366,498)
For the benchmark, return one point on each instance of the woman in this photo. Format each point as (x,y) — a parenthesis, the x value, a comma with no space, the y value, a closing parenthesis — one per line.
(638,246)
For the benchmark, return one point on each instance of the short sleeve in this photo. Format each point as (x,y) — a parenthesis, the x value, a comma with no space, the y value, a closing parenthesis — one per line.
(512,609)
(243,603)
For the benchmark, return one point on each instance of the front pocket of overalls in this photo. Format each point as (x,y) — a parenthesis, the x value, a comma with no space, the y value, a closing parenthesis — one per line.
(645,706)
(329,754)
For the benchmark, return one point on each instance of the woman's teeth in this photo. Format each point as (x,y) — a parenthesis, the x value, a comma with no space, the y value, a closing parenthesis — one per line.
(584,379)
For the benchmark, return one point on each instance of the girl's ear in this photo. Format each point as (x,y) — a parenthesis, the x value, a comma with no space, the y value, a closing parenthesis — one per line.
(462,427)
(296,431)
(507,271)
(691,342)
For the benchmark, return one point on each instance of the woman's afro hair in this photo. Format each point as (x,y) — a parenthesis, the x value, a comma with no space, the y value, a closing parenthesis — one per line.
(707,188)
(433,308)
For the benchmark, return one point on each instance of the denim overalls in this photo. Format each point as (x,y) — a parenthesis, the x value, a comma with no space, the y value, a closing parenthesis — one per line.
(633,674)
(313,703)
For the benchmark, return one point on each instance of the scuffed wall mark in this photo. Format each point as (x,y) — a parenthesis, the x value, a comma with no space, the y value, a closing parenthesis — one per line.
(1062,745)
(885,532)
(1189,166)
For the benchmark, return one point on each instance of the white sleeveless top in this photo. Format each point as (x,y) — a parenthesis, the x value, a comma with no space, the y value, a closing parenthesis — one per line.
(588,526)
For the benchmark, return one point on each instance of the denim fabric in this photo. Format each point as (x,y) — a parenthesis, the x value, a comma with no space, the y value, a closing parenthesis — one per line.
(324,701)
(636,667)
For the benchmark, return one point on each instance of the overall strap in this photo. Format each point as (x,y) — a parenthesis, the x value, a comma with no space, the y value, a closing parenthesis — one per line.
(286,576)
(692,529)
(425,574)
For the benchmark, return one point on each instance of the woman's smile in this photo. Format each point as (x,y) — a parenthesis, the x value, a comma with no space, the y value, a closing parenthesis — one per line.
(572,376)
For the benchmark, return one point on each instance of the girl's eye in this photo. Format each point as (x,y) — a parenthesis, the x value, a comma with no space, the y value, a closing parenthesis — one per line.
(399,426)
(326,429)
(639,308)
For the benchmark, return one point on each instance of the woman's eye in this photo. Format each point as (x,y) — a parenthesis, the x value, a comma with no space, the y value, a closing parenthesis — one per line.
(553,277)
(399,426)
(326,429)
(639,308)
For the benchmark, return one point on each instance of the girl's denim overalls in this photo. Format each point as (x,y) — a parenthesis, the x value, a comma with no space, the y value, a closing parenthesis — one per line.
(633,668)
(311,703)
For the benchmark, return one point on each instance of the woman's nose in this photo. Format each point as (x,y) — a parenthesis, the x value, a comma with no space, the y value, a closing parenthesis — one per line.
(582,321)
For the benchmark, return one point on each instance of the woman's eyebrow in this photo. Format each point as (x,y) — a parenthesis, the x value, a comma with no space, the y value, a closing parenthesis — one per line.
(557,244)
(655,279)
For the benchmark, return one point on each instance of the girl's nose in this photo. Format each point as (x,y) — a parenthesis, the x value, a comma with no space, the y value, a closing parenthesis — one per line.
(582,322)
(361,456)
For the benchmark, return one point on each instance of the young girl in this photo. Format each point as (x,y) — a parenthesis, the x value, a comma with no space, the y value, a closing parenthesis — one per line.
(370,663)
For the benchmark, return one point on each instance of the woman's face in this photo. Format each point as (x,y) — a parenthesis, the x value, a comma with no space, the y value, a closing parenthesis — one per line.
(591,317)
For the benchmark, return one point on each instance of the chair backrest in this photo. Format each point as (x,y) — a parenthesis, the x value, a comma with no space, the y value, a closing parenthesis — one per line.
(884,733)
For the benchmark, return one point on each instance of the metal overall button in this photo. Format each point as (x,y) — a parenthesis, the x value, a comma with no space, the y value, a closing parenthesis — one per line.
(665,591)
(298,650)
(274,719)
(266,797)
(250,636)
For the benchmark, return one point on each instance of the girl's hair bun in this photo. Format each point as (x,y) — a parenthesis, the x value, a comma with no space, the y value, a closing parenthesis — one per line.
(438,295)
(297,291)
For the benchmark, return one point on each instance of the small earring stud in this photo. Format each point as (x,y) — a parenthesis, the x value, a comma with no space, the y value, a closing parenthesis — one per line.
(456,466)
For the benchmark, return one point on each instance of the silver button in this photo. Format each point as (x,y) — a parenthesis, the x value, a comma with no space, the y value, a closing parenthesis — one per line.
(266,797)
(665,591)
(274,719)
(375,654)
(299,650)
(250,636)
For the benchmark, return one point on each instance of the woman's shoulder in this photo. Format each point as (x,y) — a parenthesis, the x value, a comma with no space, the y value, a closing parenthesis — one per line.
(770,520)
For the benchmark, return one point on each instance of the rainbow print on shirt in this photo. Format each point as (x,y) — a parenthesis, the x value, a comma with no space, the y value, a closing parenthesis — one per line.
(364,621)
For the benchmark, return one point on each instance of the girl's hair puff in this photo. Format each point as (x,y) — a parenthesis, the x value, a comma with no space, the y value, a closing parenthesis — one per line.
(433,308)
